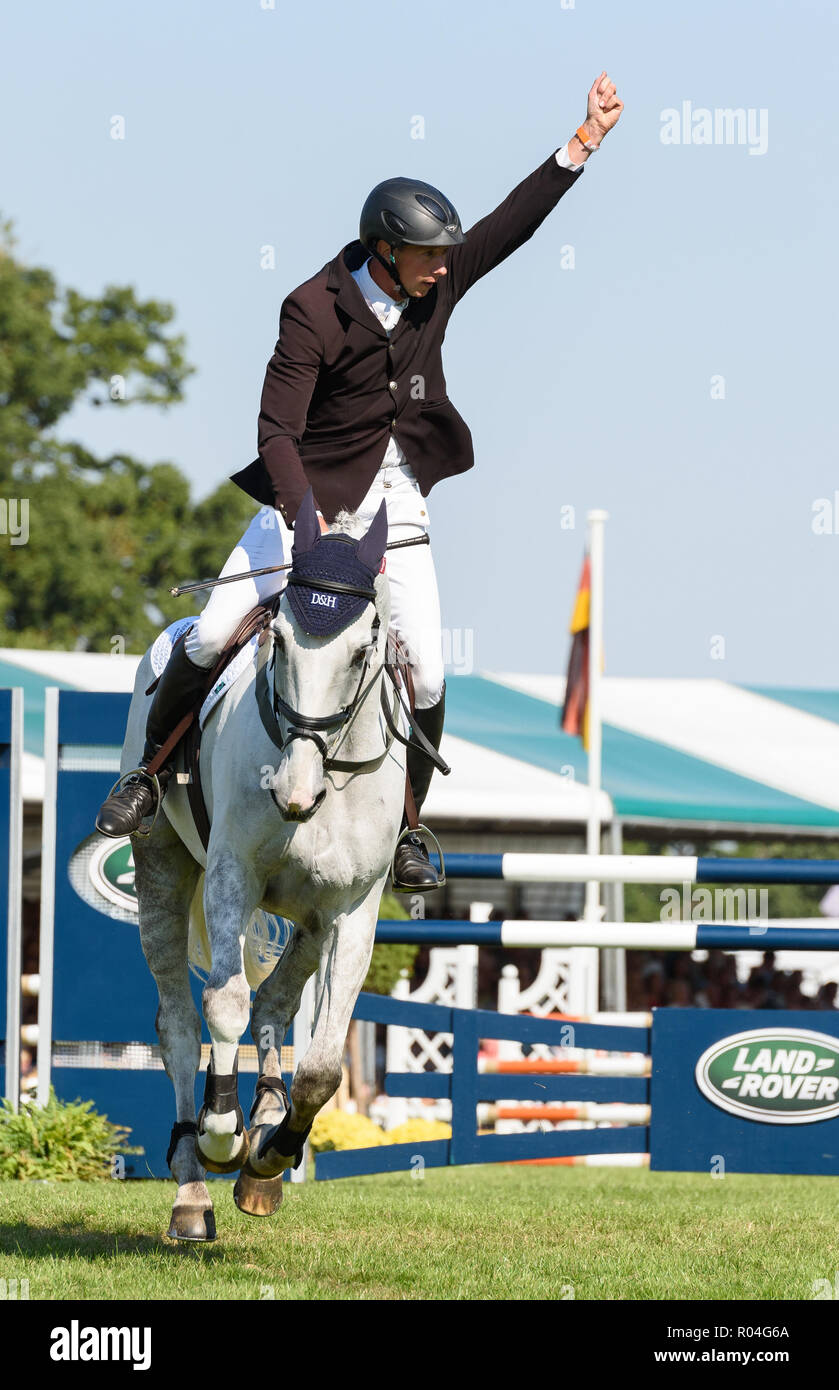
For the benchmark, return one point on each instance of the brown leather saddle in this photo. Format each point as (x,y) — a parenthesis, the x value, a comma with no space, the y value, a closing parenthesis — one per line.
(186,736)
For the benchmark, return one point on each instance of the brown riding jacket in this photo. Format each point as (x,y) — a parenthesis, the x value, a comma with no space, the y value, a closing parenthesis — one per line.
(337,385)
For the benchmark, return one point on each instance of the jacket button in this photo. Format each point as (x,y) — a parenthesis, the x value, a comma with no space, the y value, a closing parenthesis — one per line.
(392,385)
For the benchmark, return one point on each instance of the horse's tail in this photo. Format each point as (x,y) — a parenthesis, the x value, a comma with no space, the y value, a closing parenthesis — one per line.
(265,940)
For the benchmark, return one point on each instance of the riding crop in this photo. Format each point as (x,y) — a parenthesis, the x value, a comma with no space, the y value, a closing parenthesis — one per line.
(274,569)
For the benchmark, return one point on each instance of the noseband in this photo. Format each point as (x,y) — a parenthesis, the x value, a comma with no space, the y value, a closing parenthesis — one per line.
(310,726)
(273,707)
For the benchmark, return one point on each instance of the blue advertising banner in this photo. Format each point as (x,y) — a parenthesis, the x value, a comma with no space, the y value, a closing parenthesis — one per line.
(745,1091)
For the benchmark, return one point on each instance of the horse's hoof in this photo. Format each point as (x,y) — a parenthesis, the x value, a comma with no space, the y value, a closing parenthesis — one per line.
(232,1165)
(195,1222)
(257,1196)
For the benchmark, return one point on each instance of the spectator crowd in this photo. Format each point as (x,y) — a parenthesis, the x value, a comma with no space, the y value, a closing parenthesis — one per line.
(677,981)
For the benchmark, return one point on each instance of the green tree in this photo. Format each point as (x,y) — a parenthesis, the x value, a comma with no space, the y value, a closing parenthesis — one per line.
(105,538)
(388,962)
(643,902)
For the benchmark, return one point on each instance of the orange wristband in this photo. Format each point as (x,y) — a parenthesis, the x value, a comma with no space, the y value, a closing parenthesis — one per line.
(585,139)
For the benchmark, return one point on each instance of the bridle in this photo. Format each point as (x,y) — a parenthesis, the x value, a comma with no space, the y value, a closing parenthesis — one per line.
(311,726)
(272,706)
(300,725)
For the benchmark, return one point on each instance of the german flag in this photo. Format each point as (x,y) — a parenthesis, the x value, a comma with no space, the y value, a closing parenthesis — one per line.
(574,718)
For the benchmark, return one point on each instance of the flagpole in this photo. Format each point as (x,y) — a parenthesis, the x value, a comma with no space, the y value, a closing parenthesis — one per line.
(596,521)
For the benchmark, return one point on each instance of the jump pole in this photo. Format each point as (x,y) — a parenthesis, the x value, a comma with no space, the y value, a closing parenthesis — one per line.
(638,868)
(781,934)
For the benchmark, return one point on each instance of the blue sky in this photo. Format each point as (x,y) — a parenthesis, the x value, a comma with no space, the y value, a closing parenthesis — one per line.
(586,387)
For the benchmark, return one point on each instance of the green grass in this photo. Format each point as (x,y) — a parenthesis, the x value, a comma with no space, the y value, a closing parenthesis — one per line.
(501,1232)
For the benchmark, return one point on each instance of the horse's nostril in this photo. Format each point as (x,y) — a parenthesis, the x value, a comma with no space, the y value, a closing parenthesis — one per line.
(299,806)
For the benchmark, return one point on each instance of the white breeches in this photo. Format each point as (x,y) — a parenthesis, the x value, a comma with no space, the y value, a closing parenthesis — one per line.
(414,600)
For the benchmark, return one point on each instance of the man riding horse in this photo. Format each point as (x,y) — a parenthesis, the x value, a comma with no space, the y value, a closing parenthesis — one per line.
(354,405)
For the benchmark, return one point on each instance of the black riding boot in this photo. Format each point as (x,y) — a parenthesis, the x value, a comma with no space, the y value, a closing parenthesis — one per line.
(413,871)
(178,690)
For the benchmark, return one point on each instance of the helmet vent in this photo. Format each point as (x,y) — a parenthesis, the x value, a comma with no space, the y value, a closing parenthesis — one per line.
(433,207)
(394,223)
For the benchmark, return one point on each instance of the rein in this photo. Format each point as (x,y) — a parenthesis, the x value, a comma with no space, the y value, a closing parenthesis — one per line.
(272,707)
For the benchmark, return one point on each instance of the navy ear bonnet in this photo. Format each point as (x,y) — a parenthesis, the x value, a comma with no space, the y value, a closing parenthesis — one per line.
(329,586)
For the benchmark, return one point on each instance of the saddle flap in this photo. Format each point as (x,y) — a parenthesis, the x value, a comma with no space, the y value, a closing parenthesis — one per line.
(237,654)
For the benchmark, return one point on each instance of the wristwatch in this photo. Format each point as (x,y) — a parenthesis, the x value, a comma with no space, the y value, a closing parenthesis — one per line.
(586,140)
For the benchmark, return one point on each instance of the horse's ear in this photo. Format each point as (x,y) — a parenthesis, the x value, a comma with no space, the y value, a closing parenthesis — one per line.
(306,526)
(371,547)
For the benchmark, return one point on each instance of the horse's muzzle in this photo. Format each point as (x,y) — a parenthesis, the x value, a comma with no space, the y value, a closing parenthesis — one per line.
(290,813)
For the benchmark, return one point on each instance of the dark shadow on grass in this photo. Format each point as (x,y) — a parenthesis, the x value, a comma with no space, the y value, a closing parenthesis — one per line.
(65,1239)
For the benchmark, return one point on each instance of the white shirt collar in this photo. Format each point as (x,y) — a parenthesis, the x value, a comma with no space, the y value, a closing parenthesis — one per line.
(380,302)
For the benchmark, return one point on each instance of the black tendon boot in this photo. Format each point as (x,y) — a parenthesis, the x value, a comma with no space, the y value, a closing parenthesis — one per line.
(413,871)
(178,690)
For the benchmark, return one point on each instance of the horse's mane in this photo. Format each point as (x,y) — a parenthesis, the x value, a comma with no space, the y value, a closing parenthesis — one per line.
(348,524)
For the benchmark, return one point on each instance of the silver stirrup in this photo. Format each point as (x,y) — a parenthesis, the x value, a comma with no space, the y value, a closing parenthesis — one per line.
(417,830)
(156,780)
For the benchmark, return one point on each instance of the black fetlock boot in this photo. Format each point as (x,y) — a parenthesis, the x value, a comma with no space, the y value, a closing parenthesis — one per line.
(181,685)
(413,871)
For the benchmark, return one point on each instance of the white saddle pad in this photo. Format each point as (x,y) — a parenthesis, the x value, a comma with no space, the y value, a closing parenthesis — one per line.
(162,650)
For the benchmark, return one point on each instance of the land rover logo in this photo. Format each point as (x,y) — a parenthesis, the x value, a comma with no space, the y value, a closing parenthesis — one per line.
(111,873)
(778,1076)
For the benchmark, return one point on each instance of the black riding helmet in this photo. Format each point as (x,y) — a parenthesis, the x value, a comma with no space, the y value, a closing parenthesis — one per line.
(407,212)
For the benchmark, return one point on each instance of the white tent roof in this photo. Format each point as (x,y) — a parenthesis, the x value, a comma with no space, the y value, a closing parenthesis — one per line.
(686,752)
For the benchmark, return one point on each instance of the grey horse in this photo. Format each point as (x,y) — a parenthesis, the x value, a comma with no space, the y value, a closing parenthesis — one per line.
(304,825)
